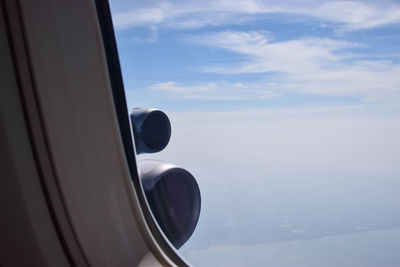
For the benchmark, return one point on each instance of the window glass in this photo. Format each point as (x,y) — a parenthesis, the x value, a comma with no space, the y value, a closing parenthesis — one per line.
(287,113)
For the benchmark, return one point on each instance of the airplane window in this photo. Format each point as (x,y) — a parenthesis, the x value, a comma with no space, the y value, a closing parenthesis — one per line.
(286,114)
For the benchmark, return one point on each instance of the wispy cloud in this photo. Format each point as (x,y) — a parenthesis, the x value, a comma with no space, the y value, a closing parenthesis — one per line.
(359,14)
(298,231)
(220,90)
(308,65)
(265,55)
(268,113)
(352,15)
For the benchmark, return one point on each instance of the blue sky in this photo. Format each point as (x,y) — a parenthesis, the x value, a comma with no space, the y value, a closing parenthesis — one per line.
(286,112)
(215,55)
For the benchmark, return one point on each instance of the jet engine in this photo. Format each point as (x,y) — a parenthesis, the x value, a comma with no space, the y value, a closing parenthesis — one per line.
(172,192)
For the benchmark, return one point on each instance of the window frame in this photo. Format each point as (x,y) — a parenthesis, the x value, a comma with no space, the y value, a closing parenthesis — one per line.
(71,90)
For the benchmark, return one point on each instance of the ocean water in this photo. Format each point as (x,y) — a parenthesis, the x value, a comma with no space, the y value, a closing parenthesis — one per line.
(369,248)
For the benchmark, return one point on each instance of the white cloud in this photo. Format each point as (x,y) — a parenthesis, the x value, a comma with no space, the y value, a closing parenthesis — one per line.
(267,113)
(298,231)
(293,56)
(308,65)
(139,17)
(319,66)
(220,90)
(352,15)
(359,14)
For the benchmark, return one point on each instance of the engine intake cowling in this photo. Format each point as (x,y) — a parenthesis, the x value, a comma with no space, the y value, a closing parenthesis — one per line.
(174,198)
(151,130)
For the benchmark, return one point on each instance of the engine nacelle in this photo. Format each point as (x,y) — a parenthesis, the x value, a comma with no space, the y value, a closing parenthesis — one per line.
(151,129)
(174,198)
